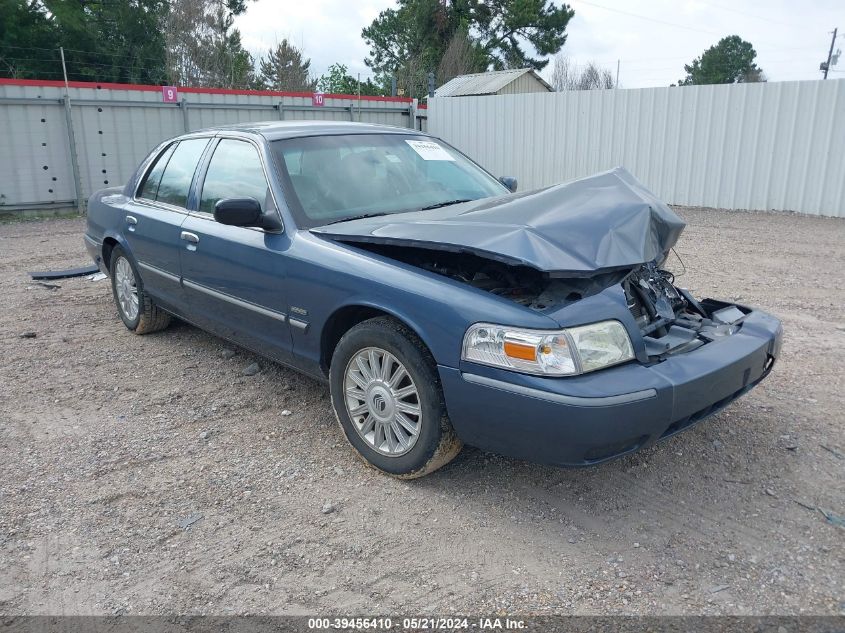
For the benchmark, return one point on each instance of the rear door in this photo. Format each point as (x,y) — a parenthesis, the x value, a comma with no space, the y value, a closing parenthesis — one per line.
(235,277)
(155,215)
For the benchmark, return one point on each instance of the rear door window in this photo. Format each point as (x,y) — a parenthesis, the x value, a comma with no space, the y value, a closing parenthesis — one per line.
(176,180)
(235,171)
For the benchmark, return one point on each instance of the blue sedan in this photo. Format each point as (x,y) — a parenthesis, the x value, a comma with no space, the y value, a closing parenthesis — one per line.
(441,306)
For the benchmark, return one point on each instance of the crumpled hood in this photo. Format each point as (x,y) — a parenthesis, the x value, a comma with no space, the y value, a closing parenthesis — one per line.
(605,222)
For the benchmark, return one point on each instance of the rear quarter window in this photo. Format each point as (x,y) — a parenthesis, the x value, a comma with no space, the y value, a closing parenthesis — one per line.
(149,188)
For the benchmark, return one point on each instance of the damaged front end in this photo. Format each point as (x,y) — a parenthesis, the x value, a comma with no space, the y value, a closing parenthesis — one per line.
(551,248)
(670,319)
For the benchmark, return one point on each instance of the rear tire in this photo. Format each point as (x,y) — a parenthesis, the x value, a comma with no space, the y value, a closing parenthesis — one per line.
(136,309)
(387,398)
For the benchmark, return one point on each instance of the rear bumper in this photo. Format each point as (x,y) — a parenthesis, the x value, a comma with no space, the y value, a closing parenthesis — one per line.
(95,250)
(596,417)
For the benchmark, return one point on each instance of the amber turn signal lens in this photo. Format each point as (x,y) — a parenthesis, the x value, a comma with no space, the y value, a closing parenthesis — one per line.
(520,351)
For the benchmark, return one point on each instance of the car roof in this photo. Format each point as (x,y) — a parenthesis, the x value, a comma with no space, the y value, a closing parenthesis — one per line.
(274,130)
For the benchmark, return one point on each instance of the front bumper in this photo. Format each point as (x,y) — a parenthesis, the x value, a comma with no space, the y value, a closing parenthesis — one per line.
(595,417)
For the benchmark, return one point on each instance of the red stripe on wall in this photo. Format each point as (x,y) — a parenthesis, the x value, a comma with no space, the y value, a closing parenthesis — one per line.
(220,91)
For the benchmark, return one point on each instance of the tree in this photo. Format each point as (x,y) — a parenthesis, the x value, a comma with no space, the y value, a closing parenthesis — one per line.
(461,57)
(410,40)
(730,61)
(202,47)
(568,76)
(285,69)
(104,41)
(337,80)
(24,30)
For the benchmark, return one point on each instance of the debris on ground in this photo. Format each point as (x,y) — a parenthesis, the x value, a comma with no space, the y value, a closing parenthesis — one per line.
(832,518)
(189,520)
(98,276)
(64,274)
(837,454)
(251,370)
(328,508)
(28,335)
(44,284)
(227,353)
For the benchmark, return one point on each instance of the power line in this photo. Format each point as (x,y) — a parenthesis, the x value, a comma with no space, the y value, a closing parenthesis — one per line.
(75,50)
(748,15)
(648,19)
(664,22)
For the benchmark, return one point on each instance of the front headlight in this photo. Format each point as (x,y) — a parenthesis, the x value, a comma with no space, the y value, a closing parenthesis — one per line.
(557,353)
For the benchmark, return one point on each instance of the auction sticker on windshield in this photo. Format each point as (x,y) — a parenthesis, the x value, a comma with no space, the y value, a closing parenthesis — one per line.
(429,150)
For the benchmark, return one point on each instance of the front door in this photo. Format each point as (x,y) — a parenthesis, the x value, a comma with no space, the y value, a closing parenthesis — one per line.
(234,277)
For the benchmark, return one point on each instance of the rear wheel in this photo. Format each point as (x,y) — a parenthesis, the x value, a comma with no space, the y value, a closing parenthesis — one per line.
(138,311)
(387,398)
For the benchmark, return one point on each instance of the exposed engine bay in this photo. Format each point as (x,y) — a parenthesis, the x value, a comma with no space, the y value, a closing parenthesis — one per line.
(521,284)
(670,319)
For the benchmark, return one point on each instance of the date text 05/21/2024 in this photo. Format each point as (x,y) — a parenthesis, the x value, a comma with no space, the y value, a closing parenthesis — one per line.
(416,624)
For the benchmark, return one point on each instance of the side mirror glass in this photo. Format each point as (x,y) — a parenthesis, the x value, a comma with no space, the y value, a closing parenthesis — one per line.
(238,212)
(509,182)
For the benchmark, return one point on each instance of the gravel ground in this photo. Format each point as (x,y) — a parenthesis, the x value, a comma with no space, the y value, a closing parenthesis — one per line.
(150,475)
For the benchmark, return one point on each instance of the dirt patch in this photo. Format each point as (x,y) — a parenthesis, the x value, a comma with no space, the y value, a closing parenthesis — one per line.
(150,475)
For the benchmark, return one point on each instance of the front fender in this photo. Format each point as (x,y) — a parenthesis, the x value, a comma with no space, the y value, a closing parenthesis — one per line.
(325,277)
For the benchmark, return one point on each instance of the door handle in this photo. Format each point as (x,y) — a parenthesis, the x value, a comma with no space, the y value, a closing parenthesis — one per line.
(190,237)
(131,219)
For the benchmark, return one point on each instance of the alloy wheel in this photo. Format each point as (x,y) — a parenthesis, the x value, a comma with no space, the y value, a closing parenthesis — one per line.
(382,401)
(126,289)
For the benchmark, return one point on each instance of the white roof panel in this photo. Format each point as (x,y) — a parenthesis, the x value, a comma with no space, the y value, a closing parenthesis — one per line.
(482,83)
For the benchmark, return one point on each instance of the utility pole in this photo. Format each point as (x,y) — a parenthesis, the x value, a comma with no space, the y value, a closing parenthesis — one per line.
(74,160)
(825,66)
(616,85)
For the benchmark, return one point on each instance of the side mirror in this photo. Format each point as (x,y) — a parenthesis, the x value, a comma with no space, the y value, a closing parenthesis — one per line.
(244,212)
(509,182)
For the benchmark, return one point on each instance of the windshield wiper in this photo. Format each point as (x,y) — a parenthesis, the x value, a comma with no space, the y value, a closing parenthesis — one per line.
(355,217)
(446,204)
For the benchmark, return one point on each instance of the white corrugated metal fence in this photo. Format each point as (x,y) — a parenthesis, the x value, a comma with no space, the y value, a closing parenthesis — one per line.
(754,146)
(115,128)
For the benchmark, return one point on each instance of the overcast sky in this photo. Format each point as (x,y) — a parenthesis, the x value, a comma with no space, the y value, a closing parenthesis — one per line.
(652,38)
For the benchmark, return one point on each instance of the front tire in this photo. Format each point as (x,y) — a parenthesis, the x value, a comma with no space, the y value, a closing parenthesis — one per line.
(387,399)
(136,309)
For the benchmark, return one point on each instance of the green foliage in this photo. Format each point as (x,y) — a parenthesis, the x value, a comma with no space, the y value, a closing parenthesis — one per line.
(27,42)
(337,80)
(186,42)
(285,69)
(104,41)
(730,61)
(411,39)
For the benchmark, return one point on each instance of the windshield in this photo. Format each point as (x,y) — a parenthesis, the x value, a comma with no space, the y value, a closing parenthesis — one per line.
(347,176)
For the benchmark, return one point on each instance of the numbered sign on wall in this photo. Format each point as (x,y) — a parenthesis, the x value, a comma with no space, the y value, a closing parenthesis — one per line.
(317,99)
(169,94)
